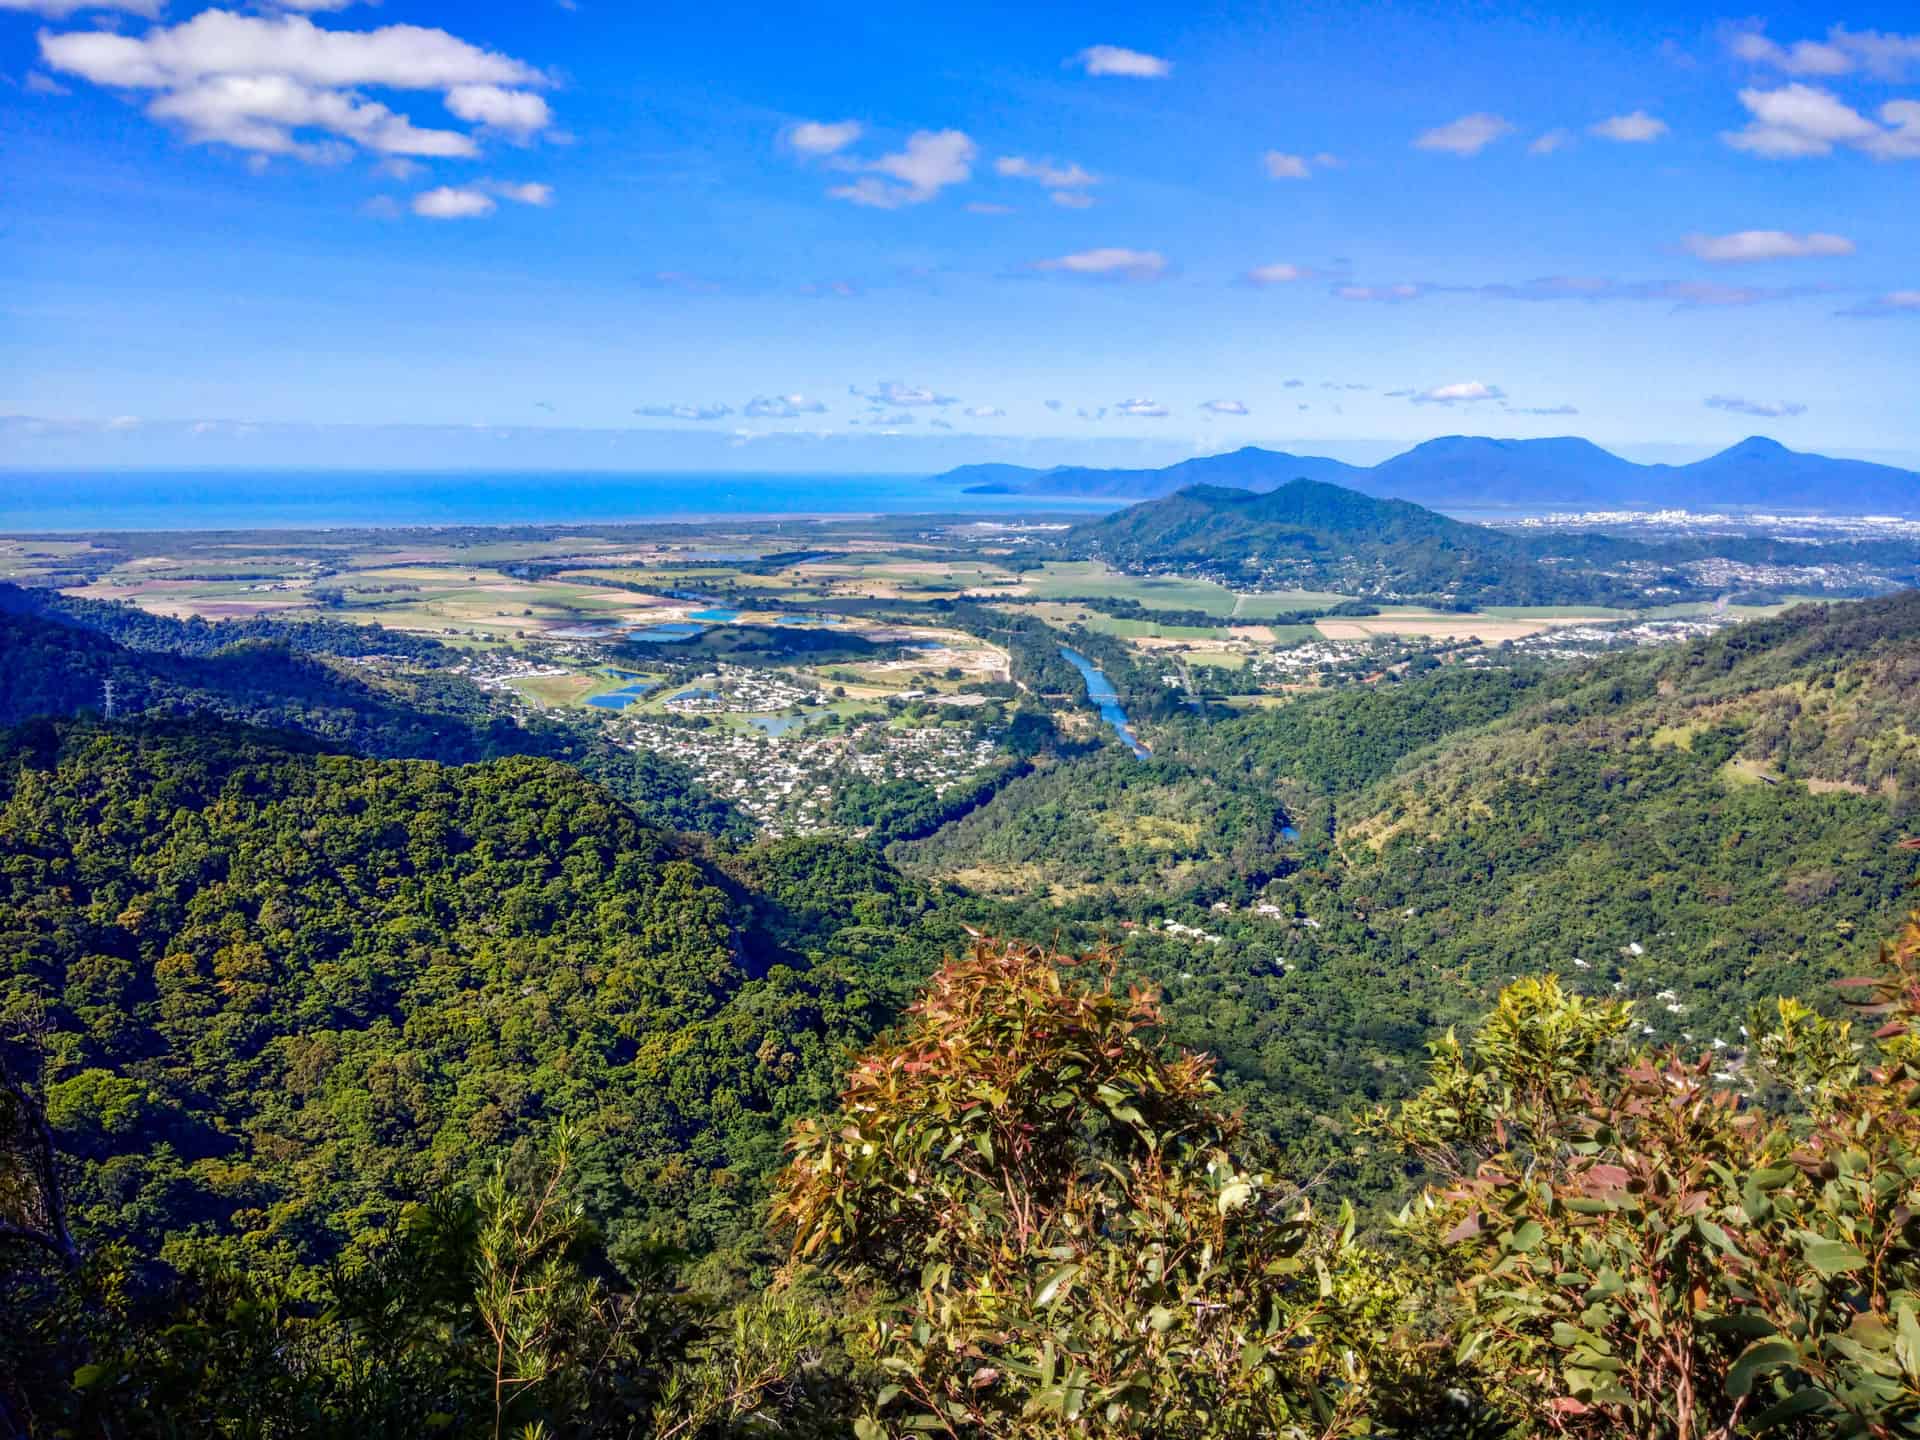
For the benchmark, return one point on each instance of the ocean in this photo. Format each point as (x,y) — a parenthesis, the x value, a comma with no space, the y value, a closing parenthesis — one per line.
(67,500)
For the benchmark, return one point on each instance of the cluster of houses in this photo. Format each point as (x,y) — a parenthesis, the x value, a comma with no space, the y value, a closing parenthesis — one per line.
(786,784)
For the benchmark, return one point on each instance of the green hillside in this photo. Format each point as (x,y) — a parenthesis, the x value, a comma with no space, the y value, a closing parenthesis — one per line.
(288,991)
(1310,535)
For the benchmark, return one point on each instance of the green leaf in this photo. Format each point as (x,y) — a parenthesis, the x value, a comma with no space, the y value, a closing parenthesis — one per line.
(1830,1257)
(88,1376)
(1756,1360)
(1801,1402)
(1526,1237)
(1233,1195)
(1051,1288)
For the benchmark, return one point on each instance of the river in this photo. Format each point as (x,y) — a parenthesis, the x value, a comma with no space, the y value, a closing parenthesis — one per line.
(1106,700)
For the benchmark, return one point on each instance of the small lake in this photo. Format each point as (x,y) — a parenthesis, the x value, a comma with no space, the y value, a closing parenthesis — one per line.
(623,697)
(774,726)
(665,634)
(1106,700)
(722,617)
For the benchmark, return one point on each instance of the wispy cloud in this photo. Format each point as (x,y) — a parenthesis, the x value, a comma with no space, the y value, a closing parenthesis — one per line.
(1894,302)
(685,412)
(820,137)
(1764,410)
(894,394)
(1638,128)
(1141,409)
(1111,262)
(1468,135)
(1118,60)
(1462,392)
(1045,172)
(931,161)
(782,407)
(1379,294)
(1797,121)
(1745,246)
(1225,407)
(1552,142)
(1887,57)
(469,202)
(64,9)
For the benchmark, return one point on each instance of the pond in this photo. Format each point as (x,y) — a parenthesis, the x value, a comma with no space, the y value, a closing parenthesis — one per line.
(623,697)
(665,634)
(719,616)
(1107,701)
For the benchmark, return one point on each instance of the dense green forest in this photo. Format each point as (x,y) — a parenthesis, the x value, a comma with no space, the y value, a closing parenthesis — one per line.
(62,653)
(376,1064)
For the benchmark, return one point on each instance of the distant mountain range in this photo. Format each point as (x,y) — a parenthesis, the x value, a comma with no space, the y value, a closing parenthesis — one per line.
(1467,470)
(1312,535)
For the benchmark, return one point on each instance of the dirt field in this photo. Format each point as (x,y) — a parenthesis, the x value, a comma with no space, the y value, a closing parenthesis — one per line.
(1489,628)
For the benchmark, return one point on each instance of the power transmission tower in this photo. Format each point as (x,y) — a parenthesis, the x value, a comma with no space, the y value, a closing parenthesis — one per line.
(107,685)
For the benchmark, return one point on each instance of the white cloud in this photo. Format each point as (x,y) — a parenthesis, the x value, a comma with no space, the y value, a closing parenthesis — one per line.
(398,167)
(1764,409)
(1799,120)
(981,207)
(893,393)
(1748,245)
(685,412)
(38,84)
(1638,128)
(985,412)
(256,82)
(519,113)
(1045,172)
(1072,199)
(450,202)
(821,137)
(1141,409)
(1282,166)
(1116,60)
(1378,294)
(1278,274)
(1468,135)
(782,407)
(1224,407)
(1894,302)
(262,112)
(1549,143)
(1109,260)
(1844,51)
(219,42)
(1464,392)
(524,193)
(61,9)
(931,161)
(1804,57)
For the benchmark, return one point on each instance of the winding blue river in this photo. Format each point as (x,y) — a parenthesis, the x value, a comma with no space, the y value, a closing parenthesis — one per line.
(1106,700)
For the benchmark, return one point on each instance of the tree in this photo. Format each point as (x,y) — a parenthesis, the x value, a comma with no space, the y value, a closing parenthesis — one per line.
(1633,1247)
(1078,1243)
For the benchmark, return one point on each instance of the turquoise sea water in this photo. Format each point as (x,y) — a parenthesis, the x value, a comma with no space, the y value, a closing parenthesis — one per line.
(295,499)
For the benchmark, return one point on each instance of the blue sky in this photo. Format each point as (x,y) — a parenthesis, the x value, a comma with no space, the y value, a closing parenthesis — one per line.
(877,237)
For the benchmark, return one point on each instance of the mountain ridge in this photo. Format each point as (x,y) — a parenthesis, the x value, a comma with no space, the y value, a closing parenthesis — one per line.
(1481,470)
